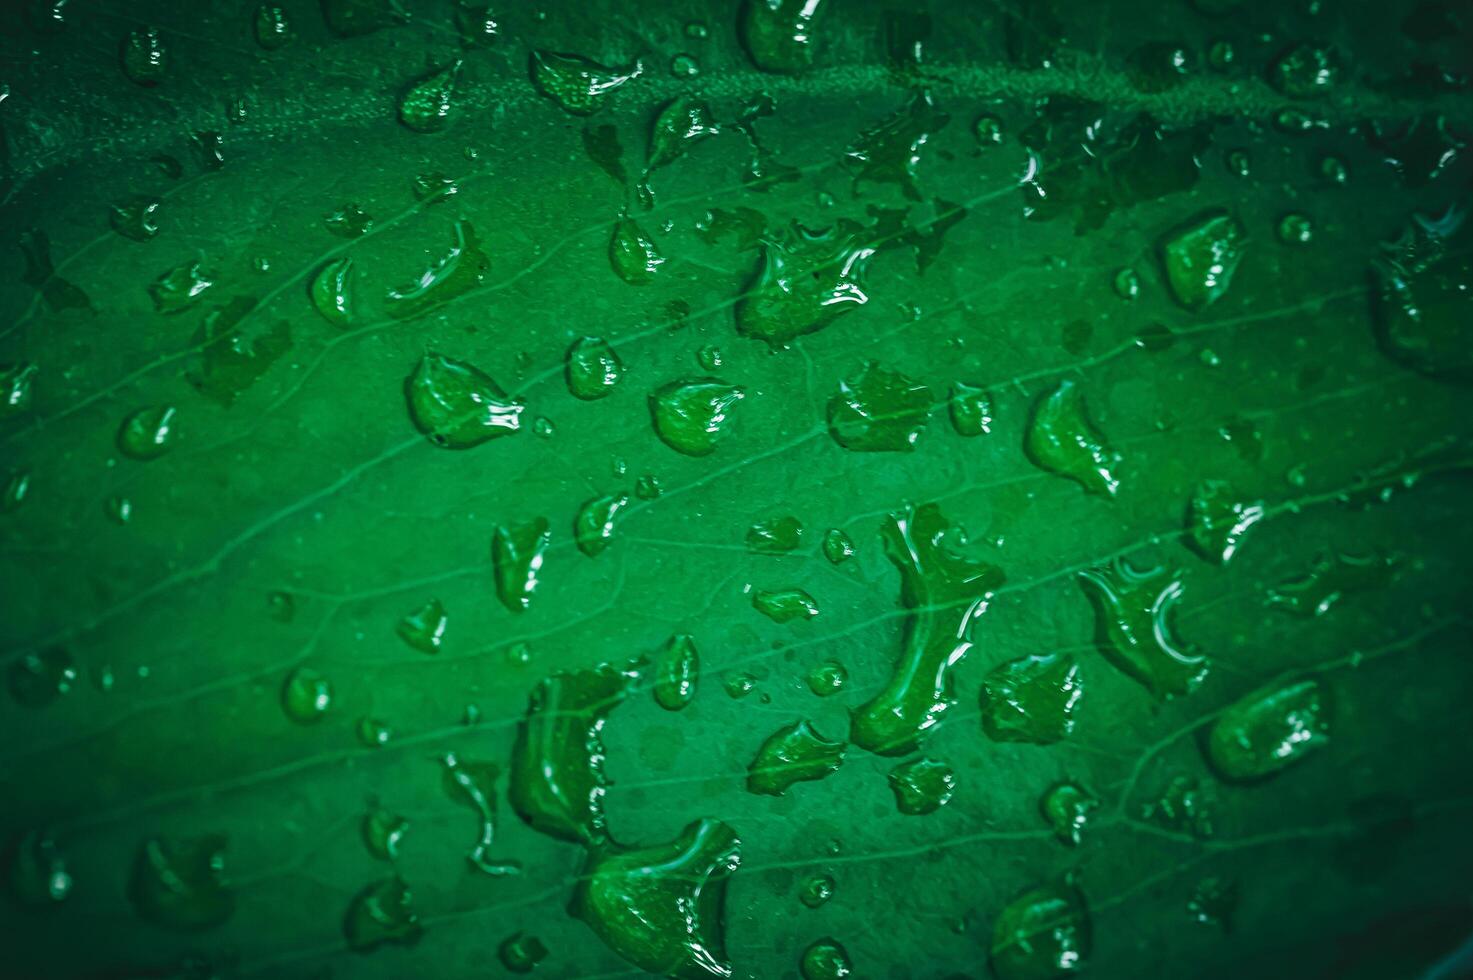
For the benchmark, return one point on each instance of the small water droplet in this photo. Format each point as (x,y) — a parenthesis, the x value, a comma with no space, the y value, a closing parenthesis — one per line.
(1295,229)
(520,953)
(825,959)
(816,890)
(1066,808)
(516,558)
(677,668)
(145,57)
(796,753)
(922,786)
(148,433)
(306,696)
(837,546)
(180,287)
(272,27)
(827,678)
(784,605)
(424,629)
(1201,256)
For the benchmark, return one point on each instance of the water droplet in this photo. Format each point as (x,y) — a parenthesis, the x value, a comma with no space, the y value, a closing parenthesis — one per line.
(282,606)
(1134,610)
(837,546)
(816,890)
(593,369)
(348,221)
(1183,806)
(777,536)
(890,151)
(332,292)
(680,124)
(1127,283)
(1159,66)
(557,782)
(475,23)
(136,218)
(878,410)
(374,734)
(306,696)
(1269,730)
(1297,122)
(633,254)
(691,417)
(273,28)
(677,668)
(784,605)
(1239,164)
(1201,256)
(1306,71)
(520,953)
(1031,699)
(594,526)
(516,558)
(1213,902)
(148,433)
(1295,229)
(806,280)
(475,784)
(425,106)
(647,487)
(1222,55)
(1066,808)
(1422,303)
(660,907)
(424,629)
(1329,579)
(970,409)
(1043,933)
(779,35)
(1062,439)
(434,187)
(15,491)
(17,388)
(988,130)
(180,287)
(456,406)
(232,357)
(382,833)
(577,84)
(944,591)
(826,959)
(739,684)
(37,679)
(1216,522)
(922,786)
(794,754)
(826,678)
(459,270)
(179,883)
(209,149)
(145,58)
(1334,171)
(382,912)
(696,30)
(38,874)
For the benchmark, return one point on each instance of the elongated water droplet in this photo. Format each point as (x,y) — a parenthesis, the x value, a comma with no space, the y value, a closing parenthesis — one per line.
(1134,610)
(1066,808)
(458,271)
(179,883)
(922,786)
(661,907)
(594,525)
(676,670)
(791,755)
(1269,730)
(427,104)
(557,782)
(380,913)
(692,417)
(1201,256)
(516,559)
(944,592)
(878,410)
(1043,934)
(1062,439)
(382,833)
(332,292)
(593,369)
(1329,579)
(475,784)
(784,605)
(17,487)
(683,122)
(457,406)
(1031,699)
(424,629)
(577,84)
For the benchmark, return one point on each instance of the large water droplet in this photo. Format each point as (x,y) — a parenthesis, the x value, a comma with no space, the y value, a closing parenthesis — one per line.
(1201,256)
(776,536)
(890,151)
(838,547)
(273,28)
(593,369)
(382,833)
(37,872)
(426,105)
(145,57)
(944,592)
(806,280)
(816,890)
(682,122)
(1062,439)
(878,410)
(579,85)
(1268,730)
(970,409)
(791,755)
(693,416)
(136,218)
(516,560)
(17,388)
(827,678)
(633,254)
(1031,699)
(456,406)
(520,953)
(1306,71)
(1134,610)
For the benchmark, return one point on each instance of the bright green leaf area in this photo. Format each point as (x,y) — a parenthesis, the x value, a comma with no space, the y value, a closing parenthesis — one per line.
(1125,343)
